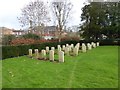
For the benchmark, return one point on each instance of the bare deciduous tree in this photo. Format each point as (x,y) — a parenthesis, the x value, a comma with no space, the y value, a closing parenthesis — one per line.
(34,14)
(61,9)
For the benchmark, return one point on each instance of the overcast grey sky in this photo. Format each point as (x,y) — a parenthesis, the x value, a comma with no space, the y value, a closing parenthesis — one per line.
(11,9)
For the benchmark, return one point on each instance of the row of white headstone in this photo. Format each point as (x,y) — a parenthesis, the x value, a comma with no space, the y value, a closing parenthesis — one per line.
(44,53)
(66,49)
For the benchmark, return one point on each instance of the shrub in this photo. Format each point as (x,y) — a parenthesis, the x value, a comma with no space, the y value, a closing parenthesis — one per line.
(22,41)
(6,39)
(20,50)
(109,42)
(30,36)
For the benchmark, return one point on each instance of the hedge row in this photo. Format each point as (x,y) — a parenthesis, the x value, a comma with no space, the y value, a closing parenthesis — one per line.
(15,51)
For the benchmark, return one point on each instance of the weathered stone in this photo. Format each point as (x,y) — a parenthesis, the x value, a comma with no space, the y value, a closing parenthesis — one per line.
(51,55)
(72,46)
(94,45)
(59,49)
(53,48)
(36,53)
(66,50)
(70,49)
(83,44)
(98,44)
(47,49)
(63,47)
(78,45)
(30,52)
(43,52)
(67,45)
(89,46)
(75,51)
(83,47)
(61,56)
(58,46)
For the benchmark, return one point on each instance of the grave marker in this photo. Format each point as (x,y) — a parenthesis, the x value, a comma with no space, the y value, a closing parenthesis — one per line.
(67,51)
(61,56)
(53,48)
(98,44)
(36,53)
(43,52)
(75,51)
(63,47)
(67,45)
(51,55)
(30,52)
(89,46)
(83,47)
(94,45)
(47,49)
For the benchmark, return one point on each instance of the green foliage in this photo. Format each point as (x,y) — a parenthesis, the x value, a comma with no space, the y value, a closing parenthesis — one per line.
(7,39)
(30,35)
(20,50)
(101,19)
(98,68)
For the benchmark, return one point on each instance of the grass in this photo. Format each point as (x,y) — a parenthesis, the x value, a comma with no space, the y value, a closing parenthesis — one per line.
(98,68)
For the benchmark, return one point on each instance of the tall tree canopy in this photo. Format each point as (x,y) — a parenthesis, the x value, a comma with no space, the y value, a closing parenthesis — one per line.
(101,19)
(34,14)
(61,10)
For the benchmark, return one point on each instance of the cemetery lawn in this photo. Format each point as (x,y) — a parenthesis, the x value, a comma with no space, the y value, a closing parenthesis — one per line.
(98,68)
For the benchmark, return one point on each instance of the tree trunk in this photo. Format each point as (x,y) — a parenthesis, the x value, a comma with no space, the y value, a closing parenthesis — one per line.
(60,37)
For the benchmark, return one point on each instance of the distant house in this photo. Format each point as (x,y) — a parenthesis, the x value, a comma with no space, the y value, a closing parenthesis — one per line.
(18,32)
(7,31)
(52,32)
(4,31)
(47,32)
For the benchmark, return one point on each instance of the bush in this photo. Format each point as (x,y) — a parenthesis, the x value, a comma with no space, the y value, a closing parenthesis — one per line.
(20,50)
(22,41)
(30,36)
(6,39)
(109,42)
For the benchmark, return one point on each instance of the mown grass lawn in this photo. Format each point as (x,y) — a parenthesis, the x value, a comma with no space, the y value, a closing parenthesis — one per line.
(98,68)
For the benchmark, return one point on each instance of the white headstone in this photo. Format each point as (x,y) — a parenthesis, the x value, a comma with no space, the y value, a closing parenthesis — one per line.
(58,46)
(98,44)
(51,55)
(67,45)
(36,53)
(83,47)
(70,49)
(66,50)
(89,46)
(30,52)
(78,45)
(72,46)
(75,51)
(43,52)
(47,49)
(94,45)
(63,47)
(61,56)
(59,49)
(53,48)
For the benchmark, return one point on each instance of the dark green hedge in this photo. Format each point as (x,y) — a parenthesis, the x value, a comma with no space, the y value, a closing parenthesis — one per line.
(15,51)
